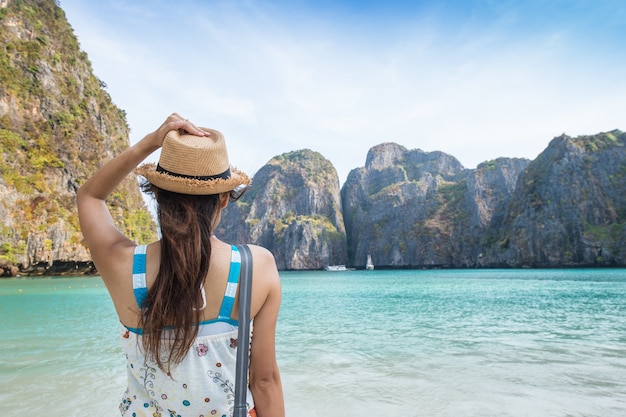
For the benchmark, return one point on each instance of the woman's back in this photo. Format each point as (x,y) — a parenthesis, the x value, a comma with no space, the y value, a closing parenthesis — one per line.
(203,382)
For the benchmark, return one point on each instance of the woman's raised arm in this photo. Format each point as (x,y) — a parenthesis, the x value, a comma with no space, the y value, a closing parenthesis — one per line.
(96,223)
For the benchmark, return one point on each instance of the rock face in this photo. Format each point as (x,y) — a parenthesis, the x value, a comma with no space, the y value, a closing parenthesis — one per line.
(292,208)
(409,208)
(57,125)
(416,209)
(569,206)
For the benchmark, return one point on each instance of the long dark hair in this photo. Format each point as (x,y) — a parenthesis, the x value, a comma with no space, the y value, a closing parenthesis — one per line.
(172,310)
(174,300)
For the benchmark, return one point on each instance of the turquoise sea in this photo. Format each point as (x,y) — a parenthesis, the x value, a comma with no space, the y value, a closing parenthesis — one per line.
(358,343)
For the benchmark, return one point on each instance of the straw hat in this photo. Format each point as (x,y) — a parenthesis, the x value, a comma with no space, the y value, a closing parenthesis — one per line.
(194,165)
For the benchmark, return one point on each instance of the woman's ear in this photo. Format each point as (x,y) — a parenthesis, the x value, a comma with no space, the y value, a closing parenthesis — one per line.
(224,197)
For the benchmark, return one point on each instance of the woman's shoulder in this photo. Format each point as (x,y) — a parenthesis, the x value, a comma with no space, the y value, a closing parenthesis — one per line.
(262,256)
(260,251)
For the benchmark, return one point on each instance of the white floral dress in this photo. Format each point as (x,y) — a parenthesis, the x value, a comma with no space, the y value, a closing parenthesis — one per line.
(203,384)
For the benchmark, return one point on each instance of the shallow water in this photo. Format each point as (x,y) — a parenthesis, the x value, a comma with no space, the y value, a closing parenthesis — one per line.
(417,343)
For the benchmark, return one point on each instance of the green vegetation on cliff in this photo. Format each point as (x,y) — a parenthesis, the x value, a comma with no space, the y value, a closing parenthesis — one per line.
(292,208)
(57,125)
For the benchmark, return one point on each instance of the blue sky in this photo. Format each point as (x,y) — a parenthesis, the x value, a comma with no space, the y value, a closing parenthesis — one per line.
(478,79)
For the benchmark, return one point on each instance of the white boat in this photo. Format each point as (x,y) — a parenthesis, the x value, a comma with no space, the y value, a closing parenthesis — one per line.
(369,265)
(335,268)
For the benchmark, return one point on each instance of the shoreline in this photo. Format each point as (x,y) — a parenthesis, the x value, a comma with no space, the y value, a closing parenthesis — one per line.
(82,269)
(42,269)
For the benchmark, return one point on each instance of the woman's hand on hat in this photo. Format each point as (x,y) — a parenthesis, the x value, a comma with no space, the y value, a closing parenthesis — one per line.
(176,122)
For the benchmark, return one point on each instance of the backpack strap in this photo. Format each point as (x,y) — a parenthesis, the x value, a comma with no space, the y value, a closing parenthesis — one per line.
(243,344)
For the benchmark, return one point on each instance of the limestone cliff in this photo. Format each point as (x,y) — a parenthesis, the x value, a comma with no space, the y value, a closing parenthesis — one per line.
(57,125)
(292,208)
(417,209)
(569,207)
(410,208)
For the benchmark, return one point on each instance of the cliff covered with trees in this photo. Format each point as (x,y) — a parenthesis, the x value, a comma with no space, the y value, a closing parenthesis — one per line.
(569,207)
(566,208)
(415,209)
(57,126)
(293,208)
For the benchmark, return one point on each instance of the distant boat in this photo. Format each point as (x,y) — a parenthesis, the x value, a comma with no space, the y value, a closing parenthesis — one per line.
(369,265)
(337,268)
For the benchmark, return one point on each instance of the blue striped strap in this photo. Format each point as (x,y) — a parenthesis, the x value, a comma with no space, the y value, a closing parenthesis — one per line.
(231,286)
(141,291)
(139,275)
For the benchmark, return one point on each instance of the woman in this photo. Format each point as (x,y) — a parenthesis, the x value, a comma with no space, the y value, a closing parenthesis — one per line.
(176,297)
